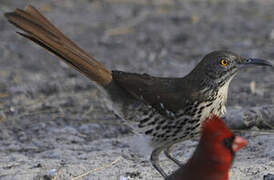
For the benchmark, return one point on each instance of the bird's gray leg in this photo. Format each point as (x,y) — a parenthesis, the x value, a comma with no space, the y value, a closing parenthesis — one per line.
(155,161)
(167,152)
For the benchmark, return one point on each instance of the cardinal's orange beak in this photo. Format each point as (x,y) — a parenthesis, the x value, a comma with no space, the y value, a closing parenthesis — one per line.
(238,143)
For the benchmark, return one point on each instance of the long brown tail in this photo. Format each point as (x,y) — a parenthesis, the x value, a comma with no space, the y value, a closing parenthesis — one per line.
(39,30)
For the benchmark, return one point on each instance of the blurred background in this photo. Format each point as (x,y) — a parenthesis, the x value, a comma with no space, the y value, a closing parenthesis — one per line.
(53,123)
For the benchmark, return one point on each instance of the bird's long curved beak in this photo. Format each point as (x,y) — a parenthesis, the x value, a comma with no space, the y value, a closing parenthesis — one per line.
(238,143)
(259,62)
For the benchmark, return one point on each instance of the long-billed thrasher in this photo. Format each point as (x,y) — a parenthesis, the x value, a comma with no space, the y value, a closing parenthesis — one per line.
(163,111)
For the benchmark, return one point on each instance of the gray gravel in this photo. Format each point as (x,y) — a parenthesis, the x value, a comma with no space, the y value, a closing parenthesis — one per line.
(53,123)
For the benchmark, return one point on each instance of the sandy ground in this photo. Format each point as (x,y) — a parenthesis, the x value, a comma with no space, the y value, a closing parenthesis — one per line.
(53,123)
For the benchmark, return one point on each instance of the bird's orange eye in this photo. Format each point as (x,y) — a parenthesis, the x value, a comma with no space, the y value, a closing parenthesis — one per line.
(224,62)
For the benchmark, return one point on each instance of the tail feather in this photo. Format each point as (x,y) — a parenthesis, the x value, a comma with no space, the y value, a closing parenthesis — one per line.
(39,30)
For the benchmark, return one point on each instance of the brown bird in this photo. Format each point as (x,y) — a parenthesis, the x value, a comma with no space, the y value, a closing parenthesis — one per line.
(214,154)
(163,111)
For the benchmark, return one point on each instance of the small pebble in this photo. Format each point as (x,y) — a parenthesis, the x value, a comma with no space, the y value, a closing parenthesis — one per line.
(123,178)
(51,172)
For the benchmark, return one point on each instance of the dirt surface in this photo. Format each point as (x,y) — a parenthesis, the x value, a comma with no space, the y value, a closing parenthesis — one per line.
(53,123)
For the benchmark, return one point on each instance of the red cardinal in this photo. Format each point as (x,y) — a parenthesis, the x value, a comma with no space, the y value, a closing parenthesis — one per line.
(213,155)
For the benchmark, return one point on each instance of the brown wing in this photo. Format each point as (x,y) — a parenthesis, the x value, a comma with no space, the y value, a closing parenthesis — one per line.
(164,94)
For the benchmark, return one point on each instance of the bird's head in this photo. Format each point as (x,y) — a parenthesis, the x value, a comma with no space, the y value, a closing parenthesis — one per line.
(218,141)
(213,156)
(219,67)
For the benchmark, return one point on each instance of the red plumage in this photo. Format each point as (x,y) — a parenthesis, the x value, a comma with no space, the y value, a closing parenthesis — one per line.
(214,154)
